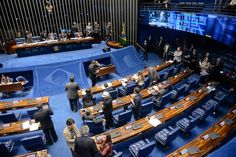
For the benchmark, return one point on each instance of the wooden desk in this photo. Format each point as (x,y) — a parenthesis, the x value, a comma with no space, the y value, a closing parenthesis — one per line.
(12,87)
(117,83)
(14,128)
(106,70)
(204,143)
(50,43)
(126,100)
(114,44)
(167,114)
(43,153)
(25,103)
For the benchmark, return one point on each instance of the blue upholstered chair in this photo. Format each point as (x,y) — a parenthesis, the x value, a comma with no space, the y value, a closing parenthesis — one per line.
(9,117)
(146,82)
(199,112)
(31,112)
(122,118)
(171,71)
(34,143)
(191,84)
(220,96)
(142,148)
(113,93)
(94,128)
(6,148)
(116,154)
(180,90)
(167,135)
(213,103)
(165,99)
(178,67)
(187,124)
(146,109)
(129,89)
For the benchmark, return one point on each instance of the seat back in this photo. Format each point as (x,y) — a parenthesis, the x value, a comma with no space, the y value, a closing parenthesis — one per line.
(180,90)
(147,149)
(173,134)
(8,118)
(146,109)
(124,117)
(191,84)
(32,112)
(171,71)
(146,82)
(130,88)
(113,93)
(94,128)
(178,67)
(6,148)
(34,143)
(165,99)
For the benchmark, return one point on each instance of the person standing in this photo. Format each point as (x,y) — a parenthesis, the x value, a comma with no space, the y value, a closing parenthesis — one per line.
(72,93)
(71,132)
(136,103)
(43,116)
(166,52)
(84,145)
(107,109)
(108,31)
(177,55)
(153,75)
(93,73)
(88,99)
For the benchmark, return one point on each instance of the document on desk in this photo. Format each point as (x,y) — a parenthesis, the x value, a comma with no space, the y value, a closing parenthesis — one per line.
(109,84)
(83,92)
(154,122)
(26,125)
(34,126)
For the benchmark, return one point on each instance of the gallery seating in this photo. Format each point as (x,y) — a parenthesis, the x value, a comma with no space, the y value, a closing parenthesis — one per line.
(10,117)
(122,118)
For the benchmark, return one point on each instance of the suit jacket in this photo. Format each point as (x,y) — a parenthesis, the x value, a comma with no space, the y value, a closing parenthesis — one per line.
(72,90)
(152,74)
(44,117)
(85,147)
(92,71)
(87,100)
(107,106)
(71,140)
(137,102)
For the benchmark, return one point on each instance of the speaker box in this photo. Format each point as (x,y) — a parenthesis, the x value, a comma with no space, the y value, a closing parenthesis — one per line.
(106,49)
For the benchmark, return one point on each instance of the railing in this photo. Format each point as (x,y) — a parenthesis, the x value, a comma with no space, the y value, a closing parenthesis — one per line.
(190,7)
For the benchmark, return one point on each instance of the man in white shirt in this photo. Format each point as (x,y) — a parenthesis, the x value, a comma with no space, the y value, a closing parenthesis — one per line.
(178,55)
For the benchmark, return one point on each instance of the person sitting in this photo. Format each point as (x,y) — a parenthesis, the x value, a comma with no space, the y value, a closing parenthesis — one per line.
(140,79)
(87,99)
(3,79)
(71,132)
(153,75)
(177,55)
(158,93)
(205,66)
(105,146)
(89,29)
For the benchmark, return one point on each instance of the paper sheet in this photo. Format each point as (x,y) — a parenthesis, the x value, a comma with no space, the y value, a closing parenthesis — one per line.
(83,92)
(34,126)
(109,84)
(26,125)
(38,98)
(15,101)
(154,122)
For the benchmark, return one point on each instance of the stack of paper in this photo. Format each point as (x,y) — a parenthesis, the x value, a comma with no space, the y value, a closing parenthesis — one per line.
(38,98)
(103,87)
(34,126)
(26,125)
(83,92)
(109,84)
(15,101)
(154,122)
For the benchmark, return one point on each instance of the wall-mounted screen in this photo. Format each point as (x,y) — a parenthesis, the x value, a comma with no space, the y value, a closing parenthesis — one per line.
(219,27)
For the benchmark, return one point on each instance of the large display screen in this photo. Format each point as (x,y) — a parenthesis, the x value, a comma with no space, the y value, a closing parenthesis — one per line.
(219,27)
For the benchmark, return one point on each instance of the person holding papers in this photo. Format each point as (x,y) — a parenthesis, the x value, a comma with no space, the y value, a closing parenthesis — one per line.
(136,103)
(107,109)
(153,75)
(159,91)
(140,79)
(43,116)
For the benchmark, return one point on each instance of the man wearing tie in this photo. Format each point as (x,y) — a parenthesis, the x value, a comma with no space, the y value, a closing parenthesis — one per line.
(136,103)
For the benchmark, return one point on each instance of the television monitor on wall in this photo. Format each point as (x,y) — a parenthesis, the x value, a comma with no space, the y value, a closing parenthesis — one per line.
(219,27)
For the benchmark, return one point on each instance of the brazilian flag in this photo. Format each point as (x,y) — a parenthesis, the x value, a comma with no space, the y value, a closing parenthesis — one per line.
(123,39)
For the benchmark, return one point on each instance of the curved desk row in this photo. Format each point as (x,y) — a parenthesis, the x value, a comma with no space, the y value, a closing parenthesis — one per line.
(142,125)
(126,100)
(117,83)
(210,139)
(41,153)
(24,103)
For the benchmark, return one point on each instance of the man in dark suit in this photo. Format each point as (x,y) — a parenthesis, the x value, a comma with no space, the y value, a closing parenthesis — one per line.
(92,72)
(84,145)
(107,109)
(72,93)
(136,103)
(43,115)
(88,99)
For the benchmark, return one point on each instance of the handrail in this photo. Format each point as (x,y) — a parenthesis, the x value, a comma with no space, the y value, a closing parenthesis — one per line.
(139,46)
